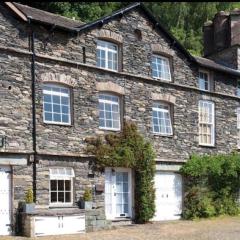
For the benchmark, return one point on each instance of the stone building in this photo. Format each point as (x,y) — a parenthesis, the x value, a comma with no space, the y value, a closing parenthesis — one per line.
(62,81)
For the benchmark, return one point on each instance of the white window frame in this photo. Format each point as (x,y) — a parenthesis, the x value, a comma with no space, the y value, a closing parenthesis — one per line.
(208,80)
(211,123)
(238,127)
(104,101)
(157,109)
(169,69)
(54,174)
(57,94)
(107,49)
(238,88)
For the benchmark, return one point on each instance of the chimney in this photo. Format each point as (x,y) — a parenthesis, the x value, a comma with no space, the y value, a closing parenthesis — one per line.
(208,40)
(221,30)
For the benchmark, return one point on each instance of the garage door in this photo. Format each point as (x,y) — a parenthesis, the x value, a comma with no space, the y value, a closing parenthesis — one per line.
(168,201)
(5,200)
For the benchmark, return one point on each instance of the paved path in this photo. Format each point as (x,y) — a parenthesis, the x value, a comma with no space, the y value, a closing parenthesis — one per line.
(224,228)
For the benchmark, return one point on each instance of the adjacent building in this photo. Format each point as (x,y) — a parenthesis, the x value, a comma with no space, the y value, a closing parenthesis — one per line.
(62,81)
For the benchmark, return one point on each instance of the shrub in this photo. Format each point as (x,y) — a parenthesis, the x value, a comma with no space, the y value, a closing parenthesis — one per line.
(212,185)
(29,196)
(87,196)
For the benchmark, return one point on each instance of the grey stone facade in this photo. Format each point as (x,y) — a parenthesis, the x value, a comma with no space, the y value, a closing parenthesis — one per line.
(59,58)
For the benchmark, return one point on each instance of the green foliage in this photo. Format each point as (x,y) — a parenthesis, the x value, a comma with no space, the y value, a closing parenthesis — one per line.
(212,185)
(87,196)
(129,149)
(29,196)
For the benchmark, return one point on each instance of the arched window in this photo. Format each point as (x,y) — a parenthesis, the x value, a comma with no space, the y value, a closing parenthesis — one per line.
(56,104)
(109,111)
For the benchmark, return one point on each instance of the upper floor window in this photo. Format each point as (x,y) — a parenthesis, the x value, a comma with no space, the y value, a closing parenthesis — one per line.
(161,118)
(206,123)
(56,104)
(161,68)
(61,185)
(109,112)
(238,127)
(204,81)
(238,88)
(107,55)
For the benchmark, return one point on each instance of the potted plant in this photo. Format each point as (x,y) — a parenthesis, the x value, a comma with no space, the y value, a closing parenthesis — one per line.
(87,199)
(29,205)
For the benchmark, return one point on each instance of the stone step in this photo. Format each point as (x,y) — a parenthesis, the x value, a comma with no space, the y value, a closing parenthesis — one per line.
(122,222)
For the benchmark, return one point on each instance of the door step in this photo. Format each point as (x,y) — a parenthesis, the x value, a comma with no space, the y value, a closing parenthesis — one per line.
(122,222)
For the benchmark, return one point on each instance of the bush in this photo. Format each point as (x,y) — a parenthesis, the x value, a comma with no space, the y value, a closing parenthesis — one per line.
(87,196)
(29,196)
(212,185)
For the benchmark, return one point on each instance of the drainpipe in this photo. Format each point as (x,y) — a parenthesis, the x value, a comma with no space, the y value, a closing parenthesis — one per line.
(32,50)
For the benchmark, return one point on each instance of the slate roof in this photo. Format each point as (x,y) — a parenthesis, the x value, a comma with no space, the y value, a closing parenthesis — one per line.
(48,18)
(68,24)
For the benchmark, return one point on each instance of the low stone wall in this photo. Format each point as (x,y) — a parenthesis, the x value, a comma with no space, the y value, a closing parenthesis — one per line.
(96,220)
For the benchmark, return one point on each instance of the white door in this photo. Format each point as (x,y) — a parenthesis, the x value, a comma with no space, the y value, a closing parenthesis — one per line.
(118,193)
(168,200)
(5,200)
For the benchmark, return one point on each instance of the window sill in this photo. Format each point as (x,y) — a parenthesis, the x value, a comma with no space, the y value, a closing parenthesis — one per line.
(205,145)
(108,69)
(52,206)
(161,79)
(110,129)
(162,135)
(58,124)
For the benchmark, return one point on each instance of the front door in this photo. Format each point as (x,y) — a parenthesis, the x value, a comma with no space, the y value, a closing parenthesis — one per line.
(118,193)
(5,200)
(168,200)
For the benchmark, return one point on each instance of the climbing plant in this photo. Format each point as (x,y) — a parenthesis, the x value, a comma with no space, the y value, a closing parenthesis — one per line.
(129,149)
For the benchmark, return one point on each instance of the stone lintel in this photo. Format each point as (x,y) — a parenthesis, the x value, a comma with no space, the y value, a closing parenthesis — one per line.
(168,167)
(58,78)
(110,87)
(109,35)
(13,160)
(163,97)
(158,48)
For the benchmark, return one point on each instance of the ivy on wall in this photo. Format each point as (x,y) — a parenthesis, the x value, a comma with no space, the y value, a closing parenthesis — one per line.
(212,185)
(129,149)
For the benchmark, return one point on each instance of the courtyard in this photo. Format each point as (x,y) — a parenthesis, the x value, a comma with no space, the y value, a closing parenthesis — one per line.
(222,228)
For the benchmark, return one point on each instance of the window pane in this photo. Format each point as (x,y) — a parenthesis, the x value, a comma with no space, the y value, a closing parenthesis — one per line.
(60,185)
(47,98)
(53,196)
(56,108)
(56,117)
(48,117)
(47,107)
(65,118)
(56,99)
(67,185)
(53,185)
(60,196)
(67,197)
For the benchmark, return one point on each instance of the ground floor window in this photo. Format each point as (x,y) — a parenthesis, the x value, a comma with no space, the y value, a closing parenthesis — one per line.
(61,185)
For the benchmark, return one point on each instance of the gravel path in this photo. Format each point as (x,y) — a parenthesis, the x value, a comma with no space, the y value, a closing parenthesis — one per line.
(224,228)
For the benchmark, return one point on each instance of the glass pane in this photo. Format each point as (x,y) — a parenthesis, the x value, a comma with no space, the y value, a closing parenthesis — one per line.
(125,198)
(67,197)
(53,185)
(125,177)
(119,198)
(116,124)
(125,208)
(56,117)
(47,107)
(60,196)
(119,177)
(67,185)
(60,185)
(109,123)
(53,197)
(56,99)
(56,108)
(47,98)
(101,114)
(65,109)
(108,115)
(108,107)
(125,187)
(65,100)
(65,118)
(48,117)
(101,123)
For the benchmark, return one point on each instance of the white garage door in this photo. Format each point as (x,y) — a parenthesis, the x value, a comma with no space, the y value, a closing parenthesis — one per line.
(5,200)
(168,201)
